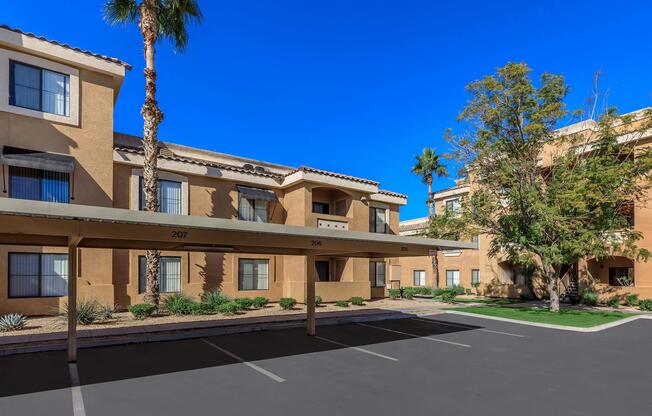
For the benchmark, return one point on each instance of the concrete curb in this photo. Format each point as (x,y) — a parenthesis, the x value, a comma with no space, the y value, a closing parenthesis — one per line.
(186,330)
(596,328)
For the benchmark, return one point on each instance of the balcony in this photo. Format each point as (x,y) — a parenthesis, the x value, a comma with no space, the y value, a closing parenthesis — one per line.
(332,222)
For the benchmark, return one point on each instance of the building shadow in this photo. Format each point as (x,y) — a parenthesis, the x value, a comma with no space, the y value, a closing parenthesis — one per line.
(34,372)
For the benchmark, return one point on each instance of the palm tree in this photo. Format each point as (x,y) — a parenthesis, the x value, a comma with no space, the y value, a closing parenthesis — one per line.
(428,166)
(157,20)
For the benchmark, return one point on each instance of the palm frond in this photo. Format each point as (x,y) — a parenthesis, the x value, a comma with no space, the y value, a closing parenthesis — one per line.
(174,17)
(120,11)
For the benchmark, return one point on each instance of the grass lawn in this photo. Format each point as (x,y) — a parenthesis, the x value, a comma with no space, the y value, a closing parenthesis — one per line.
(577,318)
(488,301)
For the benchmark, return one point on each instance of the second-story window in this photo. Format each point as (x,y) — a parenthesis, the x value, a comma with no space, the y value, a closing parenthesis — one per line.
(320,208)
(377,220)
(452,206)
(39,89)
(253,203)
(169,196)
(39,185)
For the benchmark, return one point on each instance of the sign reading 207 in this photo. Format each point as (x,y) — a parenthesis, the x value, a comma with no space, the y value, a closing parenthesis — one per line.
(179,234)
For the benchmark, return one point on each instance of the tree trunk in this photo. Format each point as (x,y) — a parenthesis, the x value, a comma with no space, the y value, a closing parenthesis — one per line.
(435,269)
(152,117)
(552,276)
(431,203)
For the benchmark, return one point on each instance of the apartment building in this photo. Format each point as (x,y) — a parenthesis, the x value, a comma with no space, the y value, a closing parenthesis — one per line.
(498,277)
(58,145)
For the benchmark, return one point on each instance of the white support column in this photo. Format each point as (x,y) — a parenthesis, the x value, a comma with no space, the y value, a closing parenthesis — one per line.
(72,298)
(311,273)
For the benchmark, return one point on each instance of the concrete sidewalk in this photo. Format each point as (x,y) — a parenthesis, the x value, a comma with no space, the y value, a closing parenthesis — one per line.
(89,337)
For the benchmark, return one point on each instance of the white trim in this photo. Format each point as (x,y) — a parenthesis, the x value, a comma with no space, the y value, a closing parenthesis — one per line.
(390,199)
(7,55)
(134,188)
(452,192)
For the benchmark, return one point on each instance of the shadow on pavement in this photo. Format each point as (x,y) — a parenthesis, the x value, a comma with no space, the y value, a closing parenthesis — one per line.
(28,373)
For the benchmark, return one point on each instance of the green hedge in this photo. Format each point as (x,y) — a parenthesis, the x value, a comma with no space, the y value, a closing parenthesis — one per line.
(141,310)
(287,303)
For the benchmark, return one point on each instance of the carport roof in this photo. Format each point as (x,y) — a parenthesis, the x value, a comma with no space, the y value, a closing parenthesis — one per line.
(52,224)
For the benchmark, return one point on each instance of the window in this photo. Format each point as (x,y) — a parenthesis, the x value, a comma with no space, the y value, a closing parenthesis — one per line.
(252,209)
(323,270)
(452,278)
(320,208)
(253,274)
(169,196)
(377,220)
(475,276)
(621,276)
(38,275)
(169,274)
(39,89)
(452,206)
(38,185)
(419,278)
(377,273)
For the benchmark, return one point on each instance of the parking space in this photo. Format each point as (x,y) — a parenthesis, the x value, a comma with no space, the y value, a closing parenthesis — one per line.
(446,364)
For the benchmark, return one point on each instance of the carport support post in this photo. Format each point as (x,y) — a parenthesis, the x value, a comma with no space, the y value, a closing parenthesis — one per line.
(310,295)
(73,242)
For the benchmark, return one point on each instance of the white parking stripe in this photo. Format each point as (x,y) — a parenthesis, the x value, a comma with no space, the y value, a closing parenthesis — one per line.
(247,363)
(469,327)
(415,336)
(341,344)
(77,398)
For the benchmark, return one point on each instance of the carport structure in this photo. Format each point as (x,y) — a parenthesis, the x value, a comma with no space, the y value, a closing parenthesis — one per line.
(79,226)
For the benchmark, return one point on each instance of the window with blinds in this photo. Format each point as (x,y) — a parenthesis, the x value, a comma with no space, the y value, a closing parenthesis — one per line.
(250,209)
(38,275)
(419,278)
(253,274)
(169,196)
(452,278)
(39,89)
(39,185)
(169,274)
(377,220)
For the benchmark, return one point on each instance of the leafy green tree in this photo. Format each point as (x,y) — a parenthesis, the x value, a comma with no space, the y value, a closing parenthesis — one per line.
(547,199)
(156,19)
(427,166)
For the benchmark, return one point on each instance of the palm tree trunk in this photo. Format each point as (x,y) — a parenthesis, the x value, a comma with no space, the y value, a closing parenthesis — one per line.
(431,205)
(152,117)
(435,269)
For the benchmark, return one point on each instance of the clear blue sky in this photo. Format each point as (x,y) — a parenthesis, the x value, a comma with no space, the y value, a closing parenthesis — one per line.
(357,87)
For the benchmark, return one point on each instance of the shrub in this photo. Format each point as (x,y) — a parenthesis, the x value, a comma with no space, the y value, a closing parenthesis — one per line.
(438,291)
(449,295)
(631,300)
(260,301)
(408,292)
(88,311)
(229,308)
(394,293)
(357,301)
(342,303)
(178,304)
(469,292)
(422,290)
(318,300)
(613,301)
(200,309)
(287,303)
(105,312)
(245,303)
(645,304)
(12,322)
(459,290)
(141,310)
(214,299)
(589,297)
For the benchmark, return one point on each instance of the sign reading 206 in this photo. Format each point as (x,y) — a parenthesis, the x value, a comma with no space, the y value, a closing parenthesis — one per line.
(179,234)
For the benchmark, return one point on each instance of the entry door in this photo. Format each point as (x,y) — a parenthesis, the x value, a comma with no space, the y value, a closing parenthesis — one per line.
(323,268)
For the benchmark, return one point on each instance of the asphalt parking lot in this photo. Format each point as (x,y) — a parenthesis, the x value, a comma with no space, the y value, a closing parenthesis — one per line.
(444,365)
